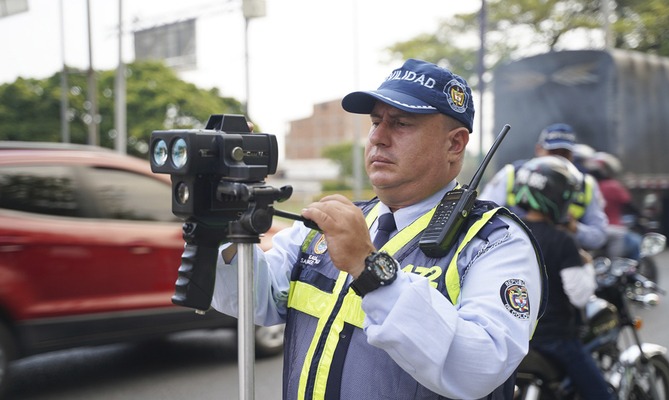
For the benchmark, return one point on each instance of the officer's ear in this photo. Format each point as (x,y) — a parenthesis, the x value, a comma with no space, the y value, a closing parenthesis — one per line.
(459,137)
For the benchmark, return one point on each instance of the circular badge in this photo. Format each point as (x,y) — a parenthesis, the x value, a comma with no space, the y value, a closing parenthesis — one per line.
(514,297)
(456,94)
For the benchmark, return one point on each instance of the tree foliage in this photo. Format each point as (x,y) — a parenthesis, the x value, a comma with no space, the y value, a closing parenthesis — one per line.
(520,28)
(156,99)
(342,155)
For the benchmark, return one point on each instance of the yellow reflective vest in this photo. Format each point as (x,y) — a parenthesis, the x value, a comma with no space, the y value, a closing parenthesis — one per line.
(325,318)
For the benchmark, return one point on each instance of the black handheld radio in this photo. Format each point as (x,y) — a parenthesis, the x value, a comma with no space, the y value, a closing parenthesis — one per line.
(454,209)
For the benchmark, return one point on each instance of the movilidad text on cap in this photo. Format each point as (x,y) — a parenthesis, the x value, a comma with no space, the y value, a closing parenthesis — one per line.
(419,87)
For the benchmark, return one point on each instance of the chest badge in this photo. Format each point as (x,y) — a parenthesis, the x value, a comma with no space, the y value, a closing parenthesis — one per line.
(321,246)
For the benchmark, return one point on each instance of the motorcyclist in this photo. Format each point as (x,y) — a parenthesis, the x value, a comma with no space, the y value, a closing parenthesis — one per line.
(621,240)
(587,219)
(544,188)
(580,153)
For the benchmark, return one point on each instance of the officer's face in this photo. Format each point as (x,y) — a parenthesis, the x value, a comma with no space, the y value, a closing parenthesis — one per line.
(410,156)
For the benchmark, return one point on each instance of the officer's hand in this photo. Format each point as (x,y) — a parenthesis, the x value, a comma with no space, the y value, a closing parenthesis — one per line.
(345,230)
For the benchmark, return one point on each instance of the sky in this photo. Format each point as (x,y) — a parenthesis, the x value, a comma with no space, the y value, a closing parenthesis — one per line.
(303,52)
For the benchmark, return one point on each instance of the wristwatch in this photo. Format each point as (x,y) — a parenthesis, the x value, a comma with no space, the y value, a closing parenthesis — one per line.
(380,270)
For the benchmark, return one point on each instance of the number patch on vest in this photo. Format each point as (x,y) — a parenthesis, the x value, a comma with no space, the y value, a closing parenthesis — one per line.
(515,298)
(432,274)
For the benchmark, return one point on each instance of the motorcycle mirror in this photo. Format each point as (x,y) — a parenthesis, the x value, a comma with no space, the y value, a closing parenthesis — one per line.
(652,243)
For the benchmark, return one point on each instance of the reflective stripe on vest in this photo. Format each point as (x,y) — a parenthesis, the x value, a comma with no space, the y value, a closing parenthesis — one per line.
(577,208)
(510,180)
(583,198)
(452,274)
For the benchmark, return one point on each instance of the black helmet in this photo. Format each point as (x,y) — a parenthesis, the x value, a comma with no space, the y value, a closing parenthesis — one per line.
(547,184)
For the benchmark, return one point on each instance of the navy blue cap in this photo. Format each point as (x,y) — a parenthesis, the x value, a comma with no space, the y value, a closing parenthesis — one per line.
(419,87)
(558,136)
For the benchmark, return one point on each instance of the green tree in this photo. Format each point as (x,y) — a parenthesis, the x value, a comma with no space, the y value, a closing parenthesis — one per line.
(517,28)
(342,155)
(156,99)
(642,25)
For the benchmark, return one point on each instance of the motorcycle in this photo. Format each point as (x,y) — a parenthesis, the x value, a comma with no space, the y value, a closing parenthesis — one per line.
(633,369)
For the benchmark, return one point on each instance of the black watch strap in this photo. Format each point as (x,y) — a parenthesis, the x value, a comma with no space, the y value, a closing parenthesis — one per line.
(365,283)
(380,270)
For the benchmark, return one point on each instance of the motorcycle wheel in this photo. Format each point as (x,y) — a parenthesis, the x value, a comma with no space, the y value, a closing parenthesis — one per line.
(659,378)
(648,268)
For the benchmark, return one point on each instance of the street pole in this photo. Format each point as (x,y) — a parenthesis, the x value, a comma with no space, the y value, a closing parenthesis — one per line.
(64,85)
(92,87)
(246,66)
(481,72)
(357,155)
(606,16)
(120,90)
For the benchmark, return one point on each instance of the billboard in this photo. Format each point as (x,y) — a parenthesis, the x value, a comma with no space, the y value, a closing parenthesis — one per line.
(254,8)
(174,43)
(9,7)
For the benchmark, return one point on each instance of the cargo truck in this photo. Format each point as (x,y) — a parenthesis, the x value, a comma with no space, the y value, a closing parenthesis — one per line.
(616,100)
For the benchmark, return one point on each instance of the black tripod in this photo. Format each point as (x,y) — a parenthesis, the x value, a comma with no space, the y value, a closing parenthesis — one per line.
(195,285)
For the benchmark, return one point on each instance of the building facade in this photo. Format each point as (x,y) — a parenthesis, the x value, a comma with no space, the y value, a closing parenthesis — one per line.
(328,125)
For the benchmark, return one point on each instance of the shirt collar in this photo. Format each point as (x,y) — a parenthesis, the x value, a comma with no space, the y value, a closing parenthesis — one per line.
(406,215)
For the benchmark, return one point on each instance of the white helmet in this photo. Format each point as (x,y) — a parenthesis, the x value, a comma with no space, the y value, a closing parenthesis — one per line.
(604,165)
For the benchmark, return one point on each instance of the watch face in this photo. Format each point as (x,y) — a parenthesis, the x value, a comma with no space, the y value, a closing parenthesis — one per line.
(385,266)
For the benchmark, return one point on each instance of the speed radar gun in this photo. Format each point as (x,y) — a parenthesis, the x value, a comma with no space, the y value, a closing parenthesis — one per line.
(218,188)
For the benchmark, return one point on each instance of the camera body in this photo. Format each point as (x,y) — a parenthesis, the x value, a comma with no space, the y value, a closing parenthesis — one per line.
(218,189)
(201,162)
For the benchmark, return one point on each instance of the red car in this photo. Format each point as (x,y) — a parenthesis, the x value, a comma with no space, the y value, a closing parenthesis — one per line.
(89,253)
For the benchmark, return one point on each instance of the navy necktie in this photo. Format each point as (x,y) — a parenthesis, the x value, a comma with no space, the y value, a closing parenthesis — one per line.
(386,226)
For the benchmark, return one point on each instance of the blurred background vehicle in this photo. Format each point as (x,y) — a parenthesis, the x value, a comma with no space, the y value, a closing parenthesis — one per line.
(89,253)
(614,100)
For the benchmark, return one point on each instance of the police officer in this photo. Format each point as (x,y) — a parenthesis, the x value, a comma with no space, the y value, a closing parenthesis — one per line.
(587,221)
(386,321)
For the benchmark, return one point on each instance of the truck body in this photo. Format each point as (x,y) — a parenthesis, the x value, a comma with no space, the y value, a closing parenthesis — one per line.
(617,101)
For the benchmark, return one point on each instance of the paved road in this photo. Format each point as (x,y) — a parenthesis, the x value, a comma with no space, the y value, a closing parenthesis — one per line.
(195,366)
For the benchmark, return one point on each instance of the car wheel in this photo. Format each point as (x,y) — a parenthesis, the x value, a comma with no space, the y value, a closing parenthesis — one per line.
(6,355)
(269,340)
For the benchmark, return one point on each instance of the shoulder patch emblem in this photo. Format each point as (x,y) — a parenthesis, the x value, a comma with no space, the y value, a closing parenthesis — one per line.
(514,297)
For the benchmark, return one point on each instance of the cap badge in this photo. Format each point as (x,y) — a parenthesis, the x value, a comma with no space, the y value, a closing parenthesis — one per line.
(456,95)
